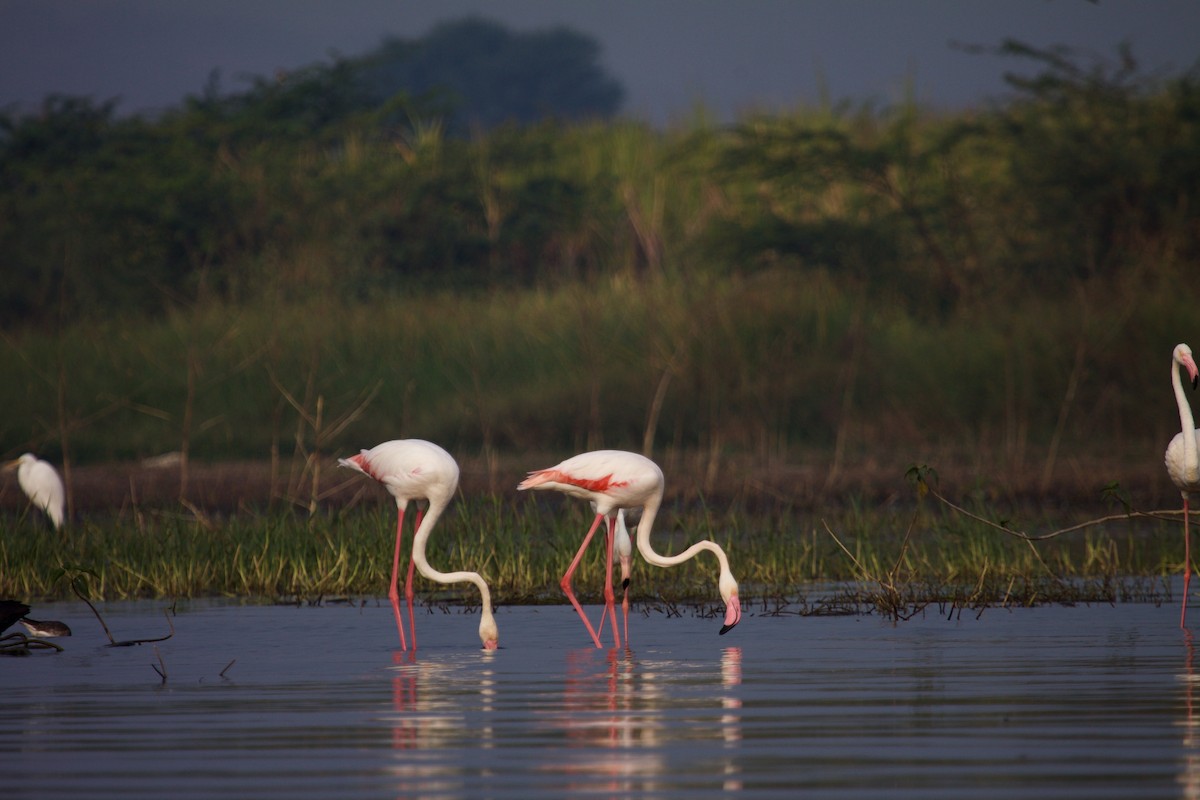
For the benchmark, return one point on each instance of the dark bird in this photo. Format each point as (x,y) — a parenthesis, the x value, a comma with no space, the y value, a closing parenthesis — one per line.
(45,629)
(10,612)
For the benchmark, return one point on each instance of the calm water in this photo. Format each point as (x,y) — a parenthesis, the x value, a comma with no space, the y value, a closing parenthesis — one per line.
(1082,702)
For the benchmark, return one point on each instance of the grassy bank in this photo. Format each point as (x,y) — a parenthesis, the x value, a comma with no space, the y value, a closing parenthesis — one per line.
(919,555)
(784,404)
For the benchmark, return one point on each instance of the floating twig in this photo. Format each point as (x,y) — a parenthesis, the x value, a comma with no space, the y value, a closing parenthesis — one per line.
(18,644)
(162,673)
(131,642)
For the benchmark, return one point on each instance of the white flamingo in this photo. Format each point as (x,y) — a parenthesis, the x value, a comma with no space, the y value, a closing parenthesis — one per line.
(612,480)
(414,469)
(1183,463)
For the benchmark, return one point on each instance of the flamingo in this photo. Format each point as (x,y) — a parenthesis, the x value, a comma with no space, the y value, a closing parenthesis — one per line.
(623,553)
(612,480)
(41,485)
(1183,463)
(414,469)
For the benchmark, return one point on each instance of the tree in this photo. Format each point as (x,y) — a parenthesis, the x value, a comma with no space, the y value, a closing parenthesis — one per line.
(489,76)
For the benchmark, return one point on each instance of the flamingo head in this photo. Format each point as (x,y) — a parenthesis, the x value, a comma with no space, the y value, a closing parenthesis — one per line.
(489,634)
(1183,357)
(733,607)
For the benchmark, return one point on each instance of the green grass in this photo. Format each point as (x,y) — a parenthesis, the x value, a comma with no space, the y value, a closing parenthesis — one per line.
(892,559)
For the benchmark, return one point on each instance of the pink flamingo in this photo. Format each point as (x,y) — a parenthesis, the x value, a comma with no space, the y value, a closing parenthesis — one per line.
(1183,463)
(612,480)
(413,469)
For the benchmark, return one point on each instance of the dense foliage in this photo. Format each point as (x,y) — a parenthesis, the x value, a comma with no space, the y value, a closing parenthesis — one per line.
(355,172)
(325,182)
(1000,276)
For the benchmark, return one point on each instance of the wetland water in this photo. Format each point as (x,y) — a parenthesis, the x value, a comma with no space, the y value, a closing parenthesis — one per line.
(1089,702)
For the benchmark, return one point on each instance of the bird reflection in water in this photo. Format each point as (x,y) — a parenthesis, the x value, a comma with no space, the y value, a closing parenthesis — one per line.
(1189,776)
(731,720)
(611,722)
(405,728)
(617,724)
(429,718)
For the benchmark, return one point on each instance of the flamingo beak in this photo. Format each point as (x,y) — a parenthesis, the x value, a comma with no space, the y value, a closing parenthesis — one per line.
(733,614)
(491,644)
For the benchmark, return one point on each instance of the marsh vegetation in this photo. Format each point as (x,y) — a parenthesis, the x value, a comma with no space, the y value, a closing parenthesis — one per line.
(786,313)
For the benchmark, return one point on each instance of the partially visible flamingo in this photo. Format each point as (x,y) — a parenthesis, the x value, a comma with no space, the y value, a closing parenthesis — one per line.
(612,480)
(623,552)
(1183,461)
(413,470)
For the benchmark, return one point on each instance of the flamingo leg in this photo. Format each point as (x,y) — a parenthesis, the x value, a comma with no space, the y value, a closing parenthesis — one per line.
(625,598)
(609,607)
(609,598)
(408,588)
(565,583)
(393,593)
(604,612)
(1187,562)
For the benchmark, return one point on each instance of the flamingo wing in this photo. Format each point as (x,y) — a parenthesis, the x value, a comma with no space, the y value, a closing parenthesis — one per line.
(609,478)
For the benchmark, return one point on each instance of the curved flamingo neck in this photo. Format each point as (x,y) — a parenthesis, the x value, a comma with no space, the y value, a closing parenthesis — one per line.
(436,507)
(649,512)
(1191,458)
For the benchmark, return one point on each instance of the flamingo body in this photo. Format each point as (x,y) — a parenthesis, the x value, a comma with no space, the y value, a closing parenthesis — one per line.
(1183,474)
(410,469)
(1183,456)
(42,486)
(611,481)
(414,470)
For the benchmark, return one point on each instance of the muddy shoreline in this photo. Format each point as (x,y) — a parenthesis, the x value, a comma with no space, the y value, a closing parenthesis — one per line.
(228,487)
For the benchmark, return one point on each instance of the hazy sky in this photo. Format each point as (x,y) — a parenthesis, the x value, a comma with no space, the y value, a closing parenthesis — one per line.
(669,54)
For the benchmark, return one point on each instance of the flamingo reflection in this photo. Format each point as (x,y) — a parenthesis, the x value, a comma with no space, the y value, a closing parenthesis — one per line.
(405,734)
(616,724)
(427,717)
(731,720)
(1190,775)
